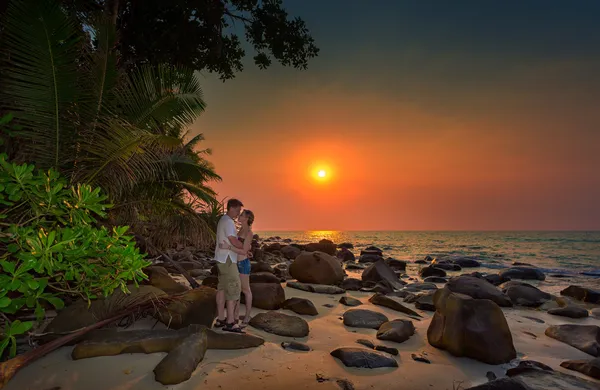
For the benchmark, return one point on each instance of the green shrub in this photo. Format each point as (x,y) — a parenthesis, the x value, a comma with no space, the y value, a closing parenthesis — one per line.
(51,246)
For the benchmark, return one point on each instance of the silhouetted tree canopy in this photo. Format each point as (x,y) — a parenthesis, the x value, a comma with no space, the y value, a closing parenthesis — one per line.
(204,34)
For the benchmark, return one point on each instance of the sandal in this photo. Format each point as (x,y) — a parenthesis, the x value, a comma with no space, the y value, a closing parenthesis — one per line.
(231,328)
(220,323)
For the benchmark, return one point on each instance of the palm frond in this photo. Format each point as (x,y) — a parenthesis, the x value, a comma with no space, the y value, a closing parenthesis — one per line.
(40,84)
(161,98)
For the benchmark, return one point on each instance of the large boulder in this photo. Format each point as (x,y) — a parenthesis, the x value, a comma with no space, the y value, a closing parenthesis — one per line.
(324,246)
(397,265)
(474,328)
(345,254)
(280,324)
(570,311)
(524,294)
(467,262)
(196,306)
(291,252)
(526,273)
(160,278)
(362,318)
(586,338)
(396,330)
(317,268)
(260,266)
(316,288)
(363,358)
(352,284)
(267,296)
(380,271)
(431,271)
(537,376)
(181,362)
(478,289)
(300,306)
(582,293)
(80,314)
(382,300)
(590,367)
(264,277)
(425,301)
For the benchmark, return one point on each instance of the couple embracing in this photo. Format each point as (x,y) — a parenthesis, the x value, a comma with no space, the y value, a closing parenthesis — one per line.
(233,252)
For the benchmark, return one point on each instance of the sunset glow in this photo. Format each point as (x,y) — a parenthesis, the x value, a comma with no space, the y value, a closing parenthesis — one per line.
(321,173)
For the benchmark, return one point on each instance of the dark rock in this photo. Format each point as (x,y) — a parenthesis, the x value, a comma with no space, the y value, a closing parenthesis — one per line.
(396,264)
(521,264)
(160,278)
(196,306)
(294,345)
(200,273)
(272,247)
(419,358)
(260,267)
(280,324)
(352,284)
(396,330)
(291,252)
(490,376)
(446,265)
(373,250)
(390,350)
(300,306)
(420,262)
(466,262)
(317,268)
(526,366)
(582,293)
(349,301)
(353,265)
(345,255)
(589,367)
(526,295)
(370,258)
(502,384)
(496,279)
(586,338)
(416,287)
(382,300)
(258,254)
(570,311)
(435,279)
(264,277)
(478,289)
(362,358)
(316,288)
(431,271)
(361,318)
(329,305)
(546,380)
(474,328)
(181,362)
(366,343)
(324,246)
(535,319)
(267,296)
(425,301)
(346,245)
(428,258)
(596,312)
(523,273)
(382,287)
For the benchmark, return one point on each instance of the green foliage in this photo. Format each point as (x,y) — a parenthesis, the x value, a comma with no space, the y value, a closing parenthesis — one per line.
(51,247)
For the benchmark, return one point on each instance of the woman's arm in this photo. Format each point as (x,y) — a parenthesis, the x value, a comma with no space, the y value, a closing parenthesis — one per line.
(227,245)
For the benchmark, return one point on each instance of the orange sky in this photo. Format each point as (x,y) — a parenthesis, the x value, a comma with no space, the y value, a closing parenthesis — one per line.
(410,147)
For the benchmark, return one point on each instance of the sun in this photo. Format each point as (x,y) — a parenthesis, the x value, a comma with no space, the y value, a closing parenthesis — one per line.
(322,173)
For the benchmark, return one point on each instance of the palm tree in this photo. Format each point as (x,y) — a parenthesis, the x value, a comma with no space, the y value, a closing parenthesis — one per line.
(82,116)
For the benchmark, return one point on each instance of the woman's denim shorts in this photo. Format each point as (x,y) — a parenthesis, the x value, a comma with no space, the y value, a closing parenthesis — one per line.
(244,266)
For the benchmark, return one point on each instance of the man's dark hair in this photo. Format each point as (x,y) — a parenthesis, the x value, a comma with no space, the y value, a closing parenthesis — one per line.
(231,203)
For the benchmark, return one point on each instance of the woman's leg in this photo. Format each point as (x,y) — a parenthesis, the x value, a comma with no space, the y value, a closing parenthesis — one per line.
(245,279)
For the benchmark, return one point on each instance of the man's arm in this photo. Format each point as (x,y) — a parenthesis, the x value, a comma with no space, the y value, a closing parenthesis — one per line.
(233,240)
(232,235)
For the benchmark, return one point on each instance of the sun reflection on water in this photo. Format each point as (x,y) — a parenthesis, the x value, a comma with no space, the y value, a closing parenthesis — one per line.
(317,235)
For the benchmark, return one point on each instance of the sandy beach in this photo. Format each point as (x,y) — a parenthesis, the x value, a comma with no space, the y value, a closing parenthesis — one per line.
(272,367)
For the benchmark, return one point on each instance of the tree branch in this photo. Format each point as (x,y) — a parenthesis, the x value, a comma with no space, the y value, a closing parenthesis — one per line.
(238,17)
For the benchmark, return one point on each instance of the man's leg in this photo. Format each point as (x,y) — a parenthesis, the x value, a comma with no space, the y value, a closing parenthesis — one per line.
(221,305)
(233,289)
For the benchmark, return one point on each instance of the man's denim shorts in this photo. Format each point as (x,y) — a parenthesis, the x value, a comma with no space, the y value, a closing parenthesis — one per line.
(244,266)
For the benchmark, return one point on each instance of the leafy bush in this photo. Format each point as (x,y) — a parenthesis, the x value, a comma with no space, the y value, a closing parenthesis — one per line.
(51,247)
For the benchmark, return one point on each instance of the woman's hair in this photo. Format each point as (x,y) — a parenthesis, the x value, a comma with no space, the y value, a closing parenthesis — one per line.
(250,216)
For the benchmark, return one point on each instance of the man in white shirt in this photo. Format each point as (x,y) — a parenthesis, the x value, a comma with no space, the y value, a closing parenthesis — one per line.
(229,287)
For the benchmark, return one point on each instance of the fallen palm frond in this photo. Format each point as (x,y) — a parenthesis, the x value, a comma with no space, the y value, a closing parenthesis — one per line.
(9,368)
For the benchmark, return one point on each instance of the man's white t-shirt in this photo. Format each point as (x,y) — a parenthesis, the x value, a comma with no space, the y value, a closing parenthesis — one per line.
(225,229)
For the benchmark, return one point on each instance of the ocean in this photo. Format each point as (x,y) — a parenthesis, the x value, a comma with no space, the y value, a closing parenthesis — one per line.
(570,256)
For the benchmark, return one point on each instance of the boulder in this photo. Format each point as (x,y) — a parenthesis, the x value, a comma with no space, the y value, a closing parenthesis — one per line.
(361,318)
(586,338)
(466,262)
(370,258)
(582,294)
(317,268)
(316,288)
(396,264)
(270,248)
(570,311)
(526,273)
(300,306)
(446,265)
(349,301)
(474,328)
(200,273)
(527,366)
(371,250)
(435,279)
(211,281)
(160,278)
(295,346)
(416,287)
(260,266)
(526,295)
(363,358)
(280,324)
(367,343)
(79,314)
(352,284)
(382,300)
(345,255)
(267,296)
(380,271)
(478,289)
(590,367)
(383,287)
(396,330)
(346,245)
(502,384)
(291,252)
(540,378)
(431,271)
(196,306)
(425,301)
(181,361)
(324,246)
(353,265)
(495,279)
(386,349)
(258,254)
(264,277)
